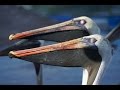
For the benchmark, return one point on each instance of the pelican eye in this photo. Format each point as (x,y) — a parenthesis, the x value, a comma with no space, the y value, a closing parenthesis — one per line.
(82,22)
(93,40)
(89,40)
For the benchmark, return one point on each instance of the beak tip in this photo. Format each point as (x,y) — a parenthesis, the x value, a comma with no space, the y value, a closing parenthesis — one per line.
(12,54)
(11,37)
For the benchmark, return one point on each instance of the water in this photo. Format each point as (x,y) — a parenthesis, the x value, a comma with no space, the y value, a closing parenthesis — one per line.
(19,72)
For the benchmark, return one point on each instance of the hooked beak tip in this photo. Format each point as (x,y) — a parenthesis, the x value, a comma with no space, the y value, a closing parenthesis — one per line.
(12,54)
(11,37)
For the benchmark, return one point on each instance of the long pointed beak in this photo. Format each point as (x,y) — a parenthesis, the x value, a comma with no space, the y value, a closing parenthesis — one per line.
(72,44)
(65,26)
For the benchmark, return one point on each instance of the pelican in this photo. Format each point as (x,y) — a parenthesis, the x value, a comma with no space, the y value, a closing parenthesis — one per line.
(80,46)
(88,52)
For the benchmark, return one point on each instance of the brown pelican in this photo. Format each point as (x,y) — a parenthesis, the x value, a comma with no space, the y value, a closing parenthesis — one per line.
(86,52)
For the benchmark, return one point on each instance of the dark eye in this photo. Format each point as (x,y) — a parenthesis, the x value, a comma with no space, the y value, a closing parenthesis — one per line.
(82,22)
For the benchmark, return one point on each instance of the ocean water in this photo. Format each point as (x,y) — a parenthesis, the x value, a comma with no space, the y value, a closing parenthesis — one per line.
(20,72)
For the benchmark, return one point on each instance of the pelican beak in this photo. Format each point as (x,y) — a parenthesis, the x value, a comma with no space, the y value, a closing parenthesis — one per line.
(53,32)
(67,45)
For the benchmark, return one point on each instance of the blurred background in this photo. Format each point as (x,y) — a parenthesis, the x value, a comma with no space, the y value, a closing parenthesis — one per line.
(18,18)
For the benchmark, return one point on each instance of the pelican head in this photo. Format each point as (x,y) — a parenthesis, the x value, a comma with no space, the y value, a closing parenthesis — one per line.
(91,26)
